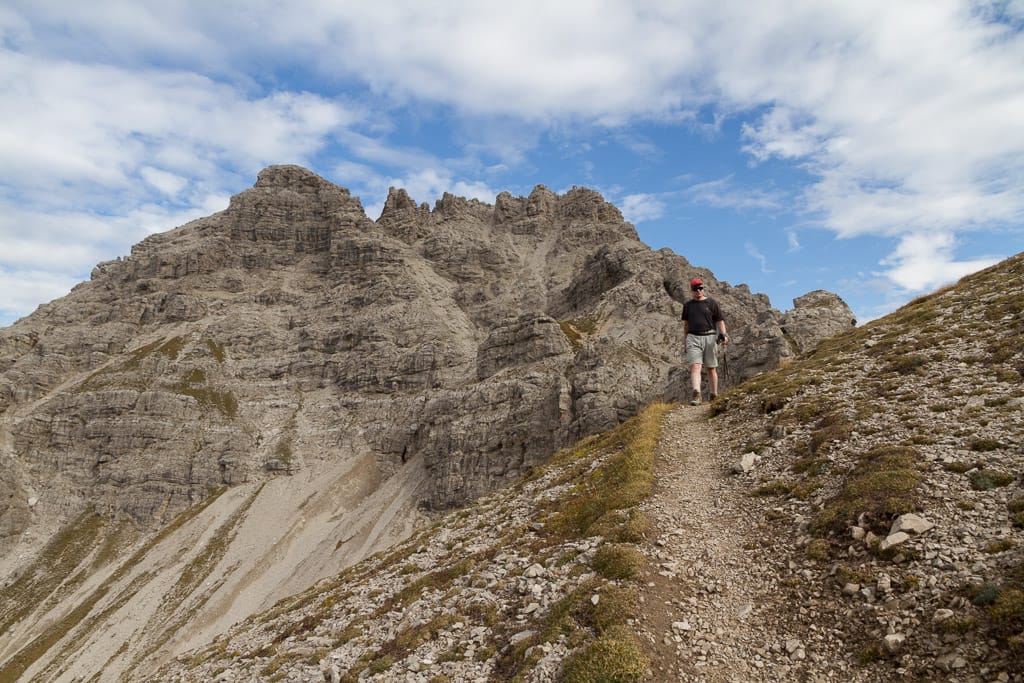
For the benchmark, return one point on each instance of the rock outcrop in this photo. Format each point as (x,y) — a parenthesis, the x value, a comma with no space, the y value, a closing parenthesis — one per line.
(816,316)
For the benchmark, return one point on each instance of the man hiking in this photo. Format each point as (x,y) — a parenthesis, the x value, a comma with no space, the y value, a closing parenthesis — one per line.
(703,326)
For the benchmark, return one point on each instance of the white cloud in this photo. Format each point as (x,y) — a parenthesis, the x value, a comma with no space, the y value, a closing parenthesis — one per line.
(638,208)
(723,193)
(755,253)
(431,183)
(793,240)
(905,115)
(924,261)
(100,125)
(170,184)
(24,289)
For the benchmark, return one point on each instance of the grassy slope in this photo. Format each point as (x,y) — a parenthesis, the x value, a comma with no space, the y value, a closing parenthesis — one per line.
(919,411)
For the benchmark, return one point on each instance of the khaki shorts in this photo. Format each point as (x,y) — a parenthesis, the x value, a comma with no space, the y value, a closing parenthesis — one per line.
(702,349)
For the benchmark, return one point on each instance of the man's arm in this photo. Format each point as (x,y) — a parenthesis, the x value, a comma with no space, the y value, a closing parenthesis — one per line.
(723,336)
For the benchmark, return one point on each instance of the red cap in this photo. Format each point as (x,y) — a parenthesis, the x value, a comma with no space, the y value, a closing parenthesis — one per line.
(695,282)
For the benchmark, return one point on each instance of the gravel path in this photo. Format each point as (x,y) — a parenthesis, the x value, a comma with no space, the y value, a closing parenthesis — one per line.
(715,608)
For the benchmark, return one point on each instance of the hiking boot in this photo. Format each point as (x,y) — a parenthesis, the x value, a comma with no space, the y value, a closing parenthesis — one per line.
(695,401)
(714,396)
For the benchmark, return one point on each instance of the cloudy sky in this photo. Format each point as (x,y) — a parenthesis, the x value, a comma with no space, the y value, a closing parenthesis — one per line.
(872,148)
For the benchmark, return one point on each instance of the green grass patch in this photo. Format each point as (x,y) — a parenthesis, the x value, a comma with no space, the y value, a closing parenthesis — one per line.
(986,479)
(960,466)
(908,364)
(622,526)
(884,485)
(777,487)
(615,657)
(572,334)
(998,546)
(217,350)
(616,561)
(624,480)
(818,550)
(985,445)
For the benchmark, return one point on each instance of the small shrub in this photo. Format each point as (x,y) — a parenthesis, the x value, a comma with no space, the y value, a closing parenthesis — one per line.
(614,561)
(985,594)
(958,626)
(818,549)
(984,445)
(869,654)
(960,467)
(986,479)
(906,364)
(770,404)
(1007,611)
(778,487)
(999,546)
(615,657)
(845,575)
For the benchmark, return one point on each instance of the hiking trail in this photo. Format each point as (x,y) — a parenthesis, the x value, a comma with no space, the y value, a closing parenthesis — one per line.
(716,607)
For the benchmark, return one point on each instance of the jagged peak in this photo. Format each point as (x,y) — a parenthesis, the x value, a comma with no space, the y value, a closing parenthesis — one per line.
(398,200)
(290,176)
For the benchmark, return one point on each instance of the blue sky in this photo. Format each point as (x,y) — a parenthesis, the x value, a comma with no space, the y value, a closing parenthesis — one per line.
(871,148)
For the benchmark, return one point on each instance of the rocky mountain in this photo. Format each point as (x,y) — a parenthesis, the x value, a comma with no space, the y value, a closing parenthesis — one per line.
(863,521)
(254,401)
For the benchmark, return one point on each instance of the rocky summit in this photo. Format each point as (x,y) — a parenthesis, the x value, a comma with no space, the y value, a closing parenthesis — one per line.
(258,399)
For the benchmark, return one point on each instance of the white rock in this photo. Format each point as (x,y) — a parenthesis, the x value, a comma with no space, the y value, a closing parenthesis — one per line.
(911,523)
(32,501)
(893,540)
(858,533)
(851,589)
(533,571)
(745,463)
(942,615)
(595,598)
(521,636)
(894,641)
(681,625)
(884,584)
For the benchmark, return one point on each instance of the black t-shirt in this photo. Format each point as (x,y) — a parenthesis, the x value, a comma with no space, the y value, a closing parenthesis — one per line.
(701,315)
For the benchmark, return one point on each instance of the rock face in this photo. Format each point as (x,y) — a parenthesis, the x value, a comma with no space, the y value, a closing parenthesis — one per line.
(291,334)
(815,316)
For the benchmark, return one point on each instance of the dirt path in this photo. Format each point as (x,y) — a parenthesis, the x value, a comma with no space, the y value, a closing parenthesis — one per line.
(712,612)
